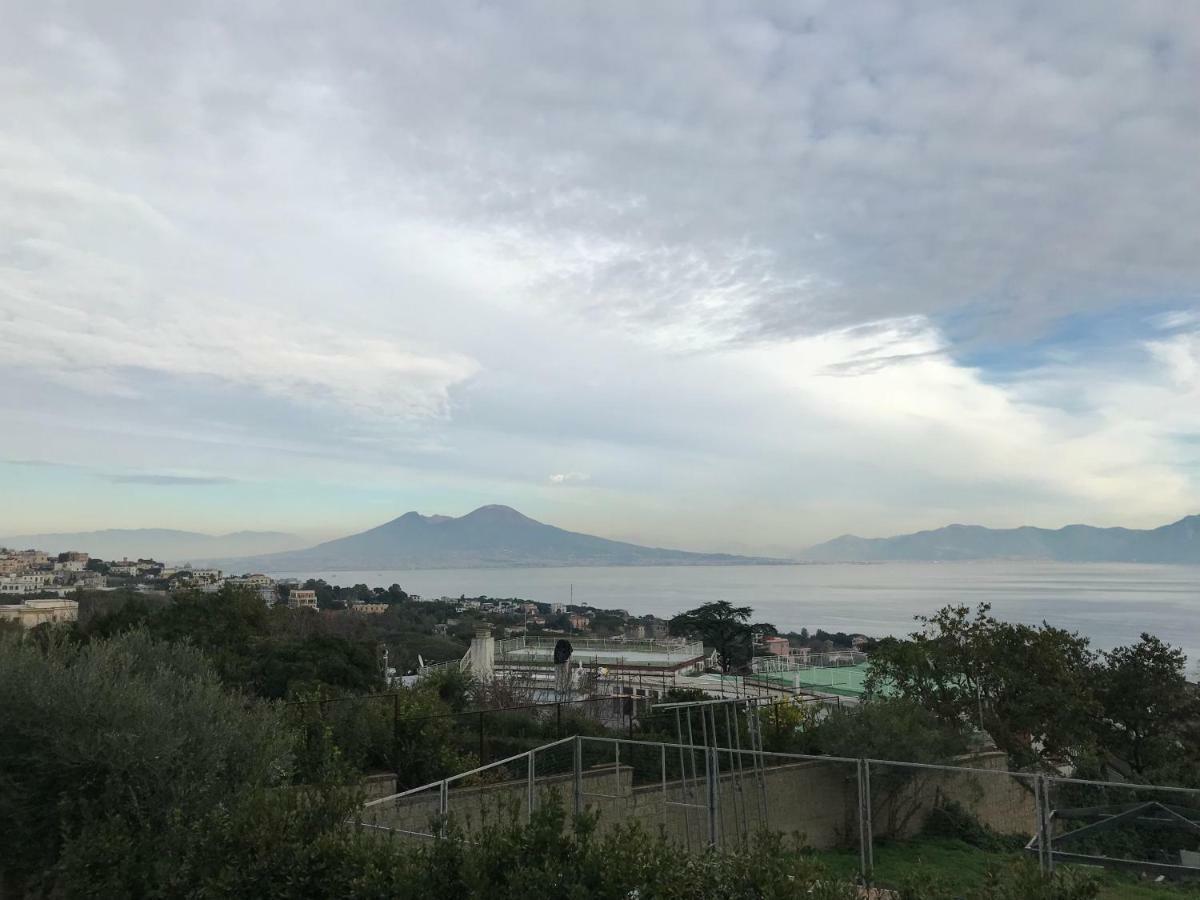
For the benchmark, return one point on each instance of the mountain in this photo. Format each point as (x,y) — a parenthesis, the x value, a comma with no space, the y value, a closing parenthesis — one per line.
(489,537)
(1178,542)
(163,544)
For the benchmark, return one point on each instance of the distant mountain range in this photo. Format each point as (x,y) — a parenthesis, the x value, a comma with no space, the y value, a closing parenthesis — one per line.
(489,537)
(163,544)
(1178,542)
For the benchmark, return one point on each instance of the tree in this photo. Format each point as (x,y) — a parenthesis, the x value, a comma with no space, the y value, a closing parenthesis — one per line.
(1147,708)
(1029,688)
(898,729)
(113,752)
(721,626)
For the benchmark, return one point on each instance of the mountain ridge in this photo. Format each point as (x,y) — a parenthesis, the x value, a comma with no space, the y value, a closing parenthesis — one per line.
(165,544)
(492,536)
(1176,543)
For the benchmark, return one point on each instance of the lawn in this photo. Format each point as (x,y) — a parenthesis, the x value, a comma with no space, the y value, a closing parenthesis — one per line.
(962,867)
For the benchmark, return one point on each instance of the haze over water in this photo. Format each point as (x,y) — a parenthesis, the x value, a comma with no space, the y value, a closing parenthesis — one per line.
(1110,603)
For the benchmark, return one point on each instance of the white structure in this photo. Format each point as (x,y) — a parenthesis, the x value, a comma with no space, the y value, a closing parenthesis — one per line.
(35,612)
(369,608)
(302,599)
(482,654)
(257,581)
(24,583)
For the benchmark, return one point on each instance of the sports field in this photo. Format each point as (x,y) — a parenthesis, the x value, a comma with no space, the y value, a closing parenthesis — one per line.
(844,680)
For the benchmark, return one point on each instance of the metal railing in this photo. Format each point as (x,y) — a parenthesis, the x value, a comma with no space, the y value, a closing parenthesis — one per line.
(834,659)
(674,648)
(485,734)
(701,796)
(448,665)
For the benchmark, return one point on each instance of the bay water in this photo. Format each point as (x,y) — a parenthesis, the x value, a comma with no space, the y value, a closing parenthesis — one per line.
(1112,604)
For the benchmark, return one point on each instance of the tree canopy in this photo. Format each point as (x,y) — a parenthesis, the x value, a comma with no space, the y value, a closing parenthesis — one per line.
(1042,694)
(722,626)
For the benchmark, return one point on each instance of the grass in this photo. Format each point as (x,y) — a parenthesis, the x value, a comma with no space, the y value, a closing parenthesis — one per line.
(963,867)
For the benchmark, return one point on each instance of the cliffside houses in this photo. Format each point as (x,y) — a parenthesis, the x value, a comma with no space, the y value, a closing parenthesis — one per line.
(26,572)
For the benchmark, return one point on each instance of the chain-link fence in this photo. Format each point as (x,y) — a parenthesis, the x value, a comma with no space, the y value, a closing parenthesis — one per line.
(864,810)
(1138,828)
(372,734)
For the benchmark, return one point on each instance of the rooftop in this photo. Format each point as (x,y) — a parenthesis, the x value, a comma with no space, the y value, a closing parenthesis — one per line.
(535,650)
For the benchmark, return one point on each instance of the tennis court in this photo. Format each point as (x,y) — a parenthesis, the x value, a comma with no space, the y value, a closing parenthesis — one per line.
(847,681)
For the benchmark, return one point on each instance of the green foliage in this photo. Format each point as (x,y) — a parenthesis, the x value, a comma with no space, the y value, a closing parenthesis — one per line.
(1028,686)
(1022,880)
(511,861)
(888,728)
(950,819)
(1046,699)
(1149,712)
(270,653)
(110,748)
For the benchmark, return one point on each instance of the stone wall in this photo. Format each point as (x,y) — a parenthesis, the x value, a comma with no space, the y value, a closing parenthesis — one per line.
(815,800)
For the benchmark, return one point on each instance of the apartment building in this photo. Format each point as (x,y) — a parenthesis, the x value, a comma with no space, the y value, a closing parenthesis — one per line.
(298,598)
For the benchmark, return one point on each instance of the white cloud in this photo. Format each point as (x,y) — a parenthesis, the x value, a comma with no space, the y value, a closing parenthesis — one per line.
(726,257)
(567,477)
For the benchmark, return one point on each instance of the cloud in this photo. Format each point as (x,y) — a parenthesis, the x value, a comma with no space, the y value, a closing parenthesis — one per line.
(799,266)
(40,464)
(169,480)
(568,477)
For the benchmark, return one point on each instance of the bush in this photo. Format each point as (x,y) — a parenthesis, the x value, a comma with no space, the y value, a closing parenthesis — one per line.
(951,819)
(112,751)
(1024,881)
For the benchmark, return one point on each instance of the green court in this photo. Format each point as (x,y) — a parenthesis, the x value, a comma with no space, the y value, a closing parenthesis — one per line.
(846,681)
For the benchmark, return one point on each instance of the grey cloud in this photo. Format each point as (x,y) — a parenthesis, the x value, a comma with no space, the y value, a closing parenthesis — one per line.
(169,480)
(487,240)
(40,464)
(716,173)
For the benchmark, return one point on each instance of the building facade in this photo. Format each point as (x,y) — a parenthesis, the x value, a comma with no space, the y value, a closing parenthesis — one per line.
(35,612)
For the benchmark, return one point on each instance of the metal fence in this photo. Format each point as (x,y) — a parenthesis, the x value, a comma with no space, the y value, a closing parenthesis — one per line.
(700,796)
(372,732)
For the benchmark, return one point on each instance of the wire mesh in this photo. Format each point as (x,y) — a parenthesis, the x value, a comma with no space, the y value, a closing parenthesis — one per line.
(664,787)
(413,814)
(984,810)
(1152,831)
(698,795)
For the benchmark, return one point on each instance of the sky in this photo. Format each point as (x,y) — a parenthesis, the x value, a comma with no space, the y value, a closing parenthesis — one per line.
(719,276)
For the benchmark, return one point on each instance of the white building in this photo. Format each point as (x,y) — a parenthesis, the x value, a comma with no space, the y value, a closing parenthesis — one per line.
(23,583)
(369,608)
(91,580)
(35,612)
(302,599)
(257,581)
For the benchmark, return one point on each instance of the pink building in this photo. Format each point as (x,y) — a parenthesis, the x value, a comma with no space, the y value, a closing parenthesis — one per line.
(776,645)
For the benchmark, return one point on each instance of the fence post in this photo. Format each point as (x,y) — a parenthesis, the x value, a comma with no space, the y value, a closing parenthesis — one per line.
(532,783)
(1047,825)
(578,774)
(869,815)
(558,720)
(862,823)
(396,738)
(482,761)
(1038,828)
(444,806)
(714,827)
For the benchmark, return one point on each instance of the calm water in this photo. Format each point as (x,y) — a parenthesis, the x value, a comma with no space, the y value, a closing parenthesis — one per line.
(1111,604)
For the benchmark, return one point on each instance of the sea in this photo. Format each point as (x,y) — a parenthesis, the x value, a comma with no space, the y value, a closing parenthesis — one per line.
(1112,604)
